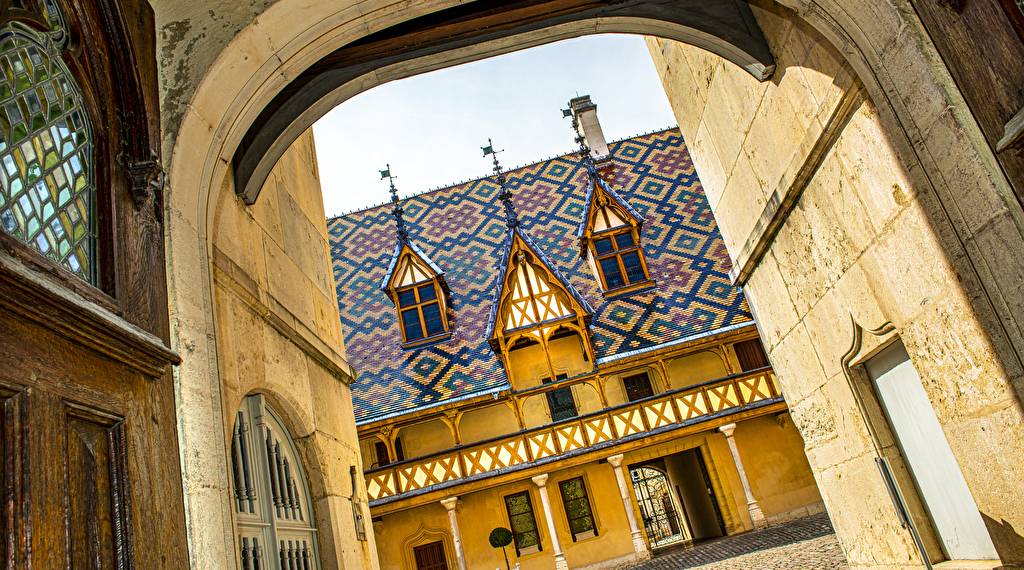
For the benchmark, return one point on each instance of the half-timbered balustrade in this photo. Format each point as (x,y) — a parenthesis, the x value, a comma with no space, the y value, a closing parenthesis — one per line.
(668,411)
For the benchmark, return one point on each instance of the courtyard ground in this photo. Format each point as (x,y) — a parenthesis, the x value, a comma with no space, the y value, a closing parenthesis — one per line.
(804,544)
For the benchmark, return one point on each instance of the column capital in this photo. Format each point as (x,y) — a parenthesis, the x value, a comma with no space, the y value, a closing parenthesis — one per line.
(727,429)
(540,480)
(615,460)
(450,503)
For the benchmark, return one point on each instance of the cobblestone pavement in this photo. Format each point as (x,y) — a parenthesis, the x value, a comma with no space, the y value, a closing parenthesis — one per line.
(804,544)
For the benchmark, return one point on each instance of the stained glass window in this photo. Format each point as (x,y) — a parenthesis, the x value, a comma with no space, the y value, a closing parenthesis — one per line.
(47,193)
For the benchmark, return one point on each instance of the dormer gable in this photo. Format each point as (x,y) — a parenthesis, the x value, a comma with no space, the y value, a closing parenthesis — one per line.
(603,210)
(530,292)
(417,287)
(409,266)
(609,235)
(533,304)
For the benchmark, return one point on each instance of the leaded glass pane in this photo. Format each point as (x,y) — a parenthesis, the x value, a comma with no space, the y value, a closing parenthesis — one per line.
(47,193)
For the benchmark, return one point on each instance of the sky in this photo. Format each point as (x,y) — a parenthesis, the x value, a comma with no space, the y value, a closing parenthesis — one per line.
(430,127)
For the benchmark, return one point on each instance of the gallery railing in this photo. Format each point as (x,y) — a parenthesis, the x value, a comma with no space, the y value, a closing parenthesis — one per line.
(732,394)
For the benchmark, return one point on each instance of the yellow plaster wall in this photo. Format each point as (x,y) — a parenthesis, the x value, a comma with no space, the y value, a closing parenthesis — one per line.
(485,423)
(528,365)
(426,438)
(587,399)
(482,511)
(695,368)
(615,391)
(773,456)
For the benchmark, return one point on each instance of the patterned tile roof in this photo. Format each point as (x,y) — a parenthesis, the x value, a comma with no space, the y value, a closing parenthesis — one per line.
(462,229)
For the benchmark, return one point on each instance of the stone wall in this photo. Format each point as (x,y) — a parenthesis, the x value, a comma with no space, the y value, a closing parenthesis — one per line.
(861,246)
(278,333)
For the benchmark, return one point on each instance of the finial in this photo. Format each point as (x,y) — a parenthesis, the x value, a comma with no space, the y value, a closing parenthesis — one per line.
(396,210)
(505,195)
(585,156)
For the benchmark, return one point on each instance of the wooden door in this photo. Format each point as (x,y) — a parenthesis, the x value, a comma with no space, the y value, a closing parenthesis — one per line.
(430,557)
(90,474)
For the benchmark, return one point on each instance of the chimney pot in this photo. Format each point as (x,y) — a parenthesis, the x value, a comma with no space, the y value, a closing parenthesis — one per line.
(586,114)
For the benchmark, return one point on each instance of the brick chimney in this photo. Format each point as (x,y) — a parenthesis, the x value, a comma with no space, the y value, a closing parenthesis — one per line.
(586,114)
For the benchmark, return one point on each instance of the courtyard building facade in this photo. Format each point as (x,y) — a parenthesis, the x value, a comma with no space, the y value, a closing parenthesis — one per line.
(595,385)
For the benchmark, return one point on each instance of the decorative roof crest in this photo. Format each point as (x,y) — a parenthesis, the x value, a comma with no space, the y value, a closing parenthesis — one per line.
(396,210)
(505,195)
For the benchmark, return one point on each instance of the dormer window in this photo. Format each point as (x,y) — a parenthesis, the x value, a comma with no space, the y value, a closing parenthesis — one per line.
(619,259)
(417,287)
(610,240)
(421,311)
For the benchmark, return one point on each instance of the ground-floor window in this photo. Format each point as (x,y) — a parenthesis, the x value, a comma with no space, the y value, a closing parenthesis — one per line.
(577,508)
(523,523)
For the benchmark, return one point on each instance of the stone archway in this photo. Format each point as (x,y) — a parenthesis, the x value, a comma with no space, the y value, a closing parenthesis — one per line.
(959,208)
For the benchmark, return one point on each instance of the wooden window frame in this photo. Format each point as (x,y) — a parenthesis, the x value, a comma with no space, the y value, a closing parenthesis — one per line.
(380,450)
(418,306)
(617,253)
(108,61)
(626,383)
(566,390)
(747,349)
(589,508)
(533,518)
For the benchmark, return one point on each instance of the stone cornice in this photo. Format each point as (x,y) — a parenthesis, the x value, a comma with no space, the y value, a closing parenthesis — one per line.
(831,118)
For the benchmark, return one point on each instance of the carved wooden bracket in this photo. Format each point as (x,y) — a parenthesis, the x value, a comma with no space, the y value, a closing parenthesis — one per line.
(147,178)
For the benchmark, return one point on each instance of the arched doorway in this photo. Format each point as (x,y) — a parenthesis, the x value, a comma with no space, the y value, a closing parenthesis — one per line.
(663,518)
(225,99)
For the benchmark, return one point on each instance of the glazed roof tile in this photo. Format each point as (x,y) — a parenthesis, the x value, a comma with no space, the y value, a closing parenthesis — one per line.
(462,229)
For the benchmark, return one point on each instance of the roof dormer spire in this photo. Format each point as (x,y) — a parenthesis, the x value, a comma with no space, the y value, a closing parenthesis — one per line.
(396,210)
(505,195)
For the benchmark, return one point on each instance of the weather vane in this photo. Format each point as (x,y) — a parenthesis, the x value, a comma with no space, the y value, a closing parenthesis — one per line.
(396,210)
(505,195)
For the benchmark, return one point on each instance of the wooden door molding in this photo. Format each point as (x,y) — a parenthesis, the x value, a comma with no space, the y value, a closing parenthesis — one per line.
(47,304)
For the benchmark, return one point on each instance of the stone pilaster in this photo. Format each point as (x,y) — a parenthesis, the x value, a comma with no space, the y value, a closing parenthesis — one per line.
(639,544)
(453,520)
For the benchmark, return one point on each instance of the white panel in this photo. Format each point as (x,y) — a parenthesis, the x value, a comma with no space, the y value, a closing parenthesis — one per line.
(932,464)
